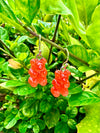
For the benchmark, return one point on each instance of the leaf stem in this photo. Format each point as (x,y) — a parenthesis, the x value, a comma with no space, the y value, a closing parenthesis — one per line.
(52,43)
(53,39)
(81,81)
(7,53)
(6,47)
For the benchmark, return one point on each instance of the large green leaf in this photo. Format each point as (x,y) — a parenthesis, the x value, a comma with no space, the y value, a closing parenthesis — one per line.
(85,9)
(8,10)
(91,123)
(28,8)
(10,21)
(23,127)
(78,51)
(13,83)
(30,108)
(66,8)
(93,31)
(61,127)
(84,98)
(51,118)
(24,90)
(10,121)
(95,63)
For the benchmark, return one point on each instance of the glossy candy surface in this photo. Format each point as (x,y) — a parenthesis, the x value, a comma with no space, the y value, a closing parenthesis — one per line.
(37,72)
(60,83)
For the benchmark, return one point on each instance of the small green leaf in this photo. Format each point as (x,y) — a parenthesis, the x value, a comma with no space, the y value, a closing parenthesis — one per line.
(61,127)
(10,121)
(23,127)
(41,124)
(64,117)
(51,118)
(3,34)
(36,129)
(30,108)
(2,60)
(45,106)
(71,112)
(83,98)
(72,123)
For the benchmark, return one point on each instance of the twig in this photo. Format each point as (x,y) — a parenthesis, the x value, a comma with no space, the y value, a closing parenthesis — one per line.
(52,43)
(81,81)
(53,39)
(4,78)
(6,47)
(7,53)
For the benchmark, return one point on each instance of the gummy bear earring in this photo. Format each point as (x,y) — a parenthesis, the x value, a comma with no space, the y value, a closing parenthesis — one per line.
(38,71)
(61,82)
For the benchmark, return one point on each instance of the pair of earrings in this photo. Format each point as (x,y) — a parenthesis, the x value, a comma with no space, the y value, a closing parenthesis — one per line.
(38,75)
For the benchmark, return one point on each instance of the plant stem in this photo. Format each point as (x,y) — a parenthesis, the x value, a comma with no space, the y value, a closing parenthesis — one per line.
(53,44)
(7,53)
(4,78)
(53,39)
(6,47)
(81,81)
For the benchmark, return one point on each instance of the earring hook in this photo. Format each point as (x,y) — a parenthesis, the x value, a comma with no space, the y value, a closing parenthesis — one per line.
(64,65)
(39,55)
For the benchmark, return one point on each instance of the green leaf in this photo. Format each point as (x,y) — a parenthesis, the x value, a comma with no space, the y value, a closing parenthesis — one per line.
(10,121)
(30,108)
(41,124)
(3,34)
(45,106)
(2,60)
(71,112)
(78,51)
(44,49)
(84,68)
(51,118)
(36,129)
(28,9)
(61,127)
(85,9)
(91,123)
(64,118)
(11,22)
(8,10)
(1,117)
(93,30)
(83,98)
(66,8)
(24,90)
(21,51)
(74,88)
(95,63)
(13,83)
(23,127)
(72,123)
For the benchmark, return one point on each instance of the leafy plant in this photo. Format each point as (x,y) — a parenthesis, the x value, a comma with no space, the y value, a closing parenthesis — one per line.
(27,109)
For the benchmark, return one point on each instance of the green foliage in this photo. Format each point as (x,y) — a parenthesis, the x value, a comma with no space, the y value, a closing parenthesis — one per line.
(27,109)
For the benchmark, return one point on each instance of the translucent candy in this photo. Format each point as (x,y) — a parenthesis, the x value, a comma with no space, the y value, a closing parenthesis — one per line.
(37,72)
(60,83)
(55,92)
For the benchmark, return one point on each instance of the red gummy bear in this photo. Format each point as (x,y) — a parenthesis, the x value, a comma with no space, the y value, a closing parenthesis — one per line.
(60,83)
(37,72)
